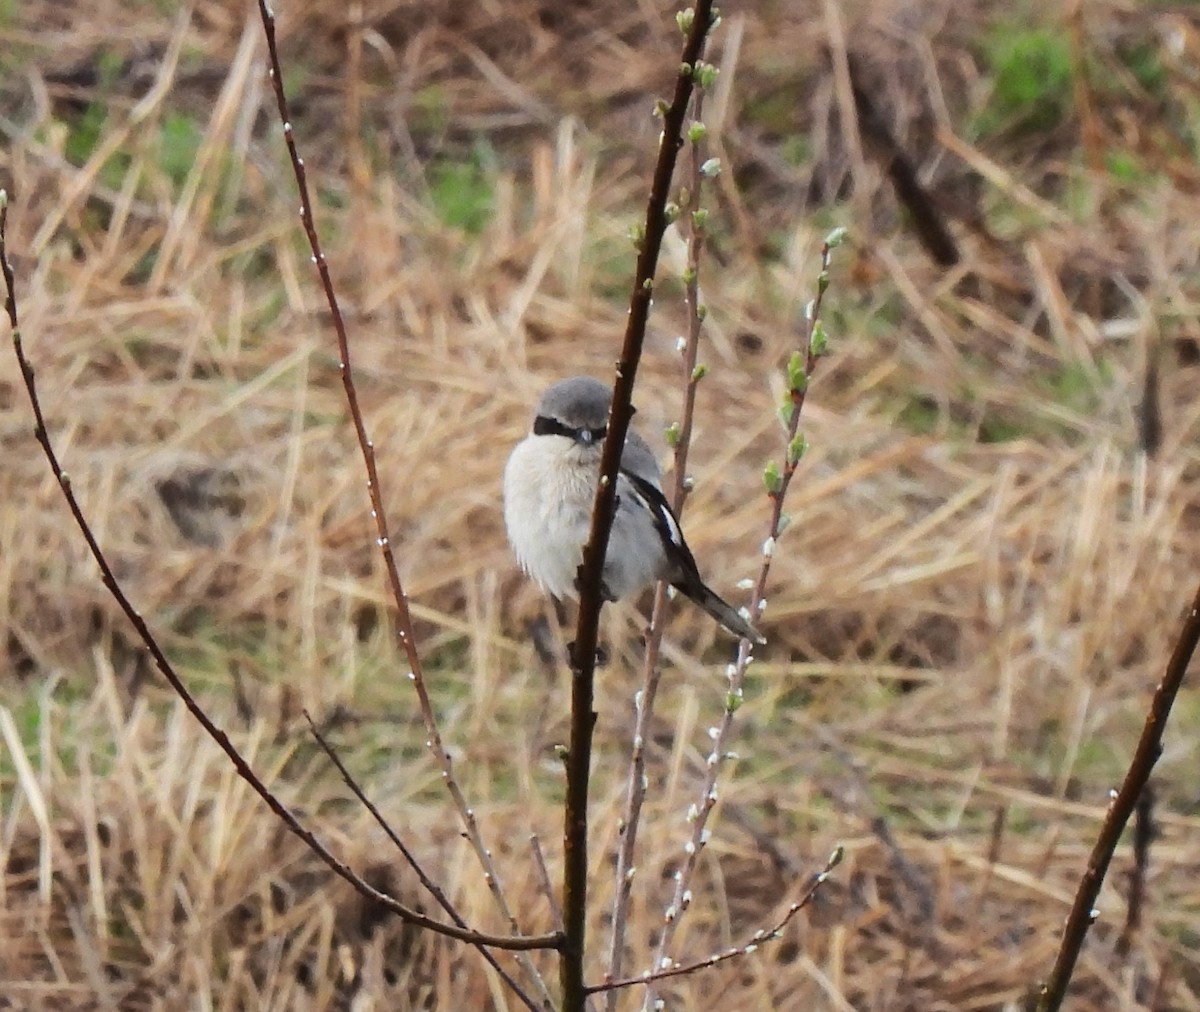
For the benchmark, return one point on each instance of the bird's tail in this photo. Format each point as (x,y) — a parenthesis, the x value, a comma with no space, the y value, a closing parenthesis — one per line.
(721,610)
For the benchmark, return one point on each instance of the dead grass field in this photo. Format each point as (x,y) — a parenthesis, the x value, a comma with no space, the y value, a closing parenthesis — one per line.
(979,590)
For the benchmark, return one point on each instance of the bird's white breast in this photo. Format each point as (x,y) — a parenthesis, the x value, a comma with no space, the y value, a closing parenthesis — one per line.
(549,492)
(548,499)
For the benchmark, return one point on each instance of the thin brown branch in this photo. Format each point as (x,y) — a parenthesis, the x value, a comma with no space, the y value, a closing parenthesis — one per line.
(1149,748)
(434,889)
(758,938)
(543,877)
(800,370)
(694,218)
(41,434)
(1144,832)
(635,790)
(403,615)
(583,663)
(693,223)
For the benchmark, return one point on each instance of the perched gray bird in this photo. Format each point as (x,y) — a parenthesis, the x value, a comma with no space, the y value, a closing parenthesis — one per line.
(549,490)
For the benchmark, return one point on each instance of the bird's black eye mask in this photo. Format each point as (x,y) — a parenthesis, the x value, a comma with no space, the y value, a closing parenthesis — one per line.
(546,426)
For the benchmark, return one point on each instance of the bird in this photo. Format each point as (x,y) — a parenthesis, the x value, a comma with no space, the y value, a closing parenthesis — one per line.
(549,491)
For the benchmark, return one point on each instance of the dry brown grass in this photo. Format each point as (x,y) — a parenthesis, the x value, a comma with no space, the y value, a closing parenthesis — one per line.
(978,592)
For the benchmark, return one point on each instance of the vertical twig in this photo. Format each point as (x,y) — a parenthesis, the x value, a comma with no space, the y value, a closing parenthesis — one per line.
(799,372)
(1143,836)
(543,880)
(583,662)
(1149,748)
(403,616)
(680,435)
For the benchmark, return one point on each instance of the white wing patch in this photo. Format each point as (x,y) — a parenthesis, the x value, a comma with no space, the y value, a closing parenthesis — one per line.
(652,499)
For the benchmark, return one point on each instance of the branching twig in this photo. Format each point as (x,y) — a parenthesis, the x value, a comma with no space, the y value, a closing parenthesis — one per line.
(575,861)
(1149,748)
(759,937)
(543,878)
(434,889)
(404,623)
(41,434)
(799,372)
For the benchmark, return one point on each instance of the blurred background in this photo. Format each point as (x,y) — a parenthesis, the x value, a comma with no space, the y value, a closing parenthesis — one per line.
(993,537)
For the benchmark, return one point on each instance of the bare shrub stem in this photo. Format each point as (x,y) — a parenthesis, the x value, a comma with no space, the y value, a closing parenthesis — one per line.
(635,797)
(778,480)
(759,937)
(41,434)
(403,616)
(583,663)
(1124,801)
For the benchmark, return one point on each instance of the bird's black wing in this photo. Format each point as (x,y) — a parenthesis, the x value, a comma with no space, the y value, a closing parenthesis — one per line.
(686,575)
(667,526)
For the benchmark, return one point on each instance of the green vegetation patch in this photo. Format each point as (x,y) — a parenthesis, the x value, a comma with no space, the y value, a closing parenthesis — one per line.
(1031,85)
(463,191)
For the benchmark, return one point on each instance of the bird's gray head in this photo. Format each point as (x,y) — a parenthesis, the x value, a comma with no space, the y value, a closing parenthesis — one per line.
(576,408)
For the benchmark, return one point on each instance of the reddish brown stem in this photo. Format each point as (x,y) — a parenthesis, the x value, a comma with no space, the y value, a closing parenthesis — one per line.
(583,663)
(41,434)
(1149,748)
